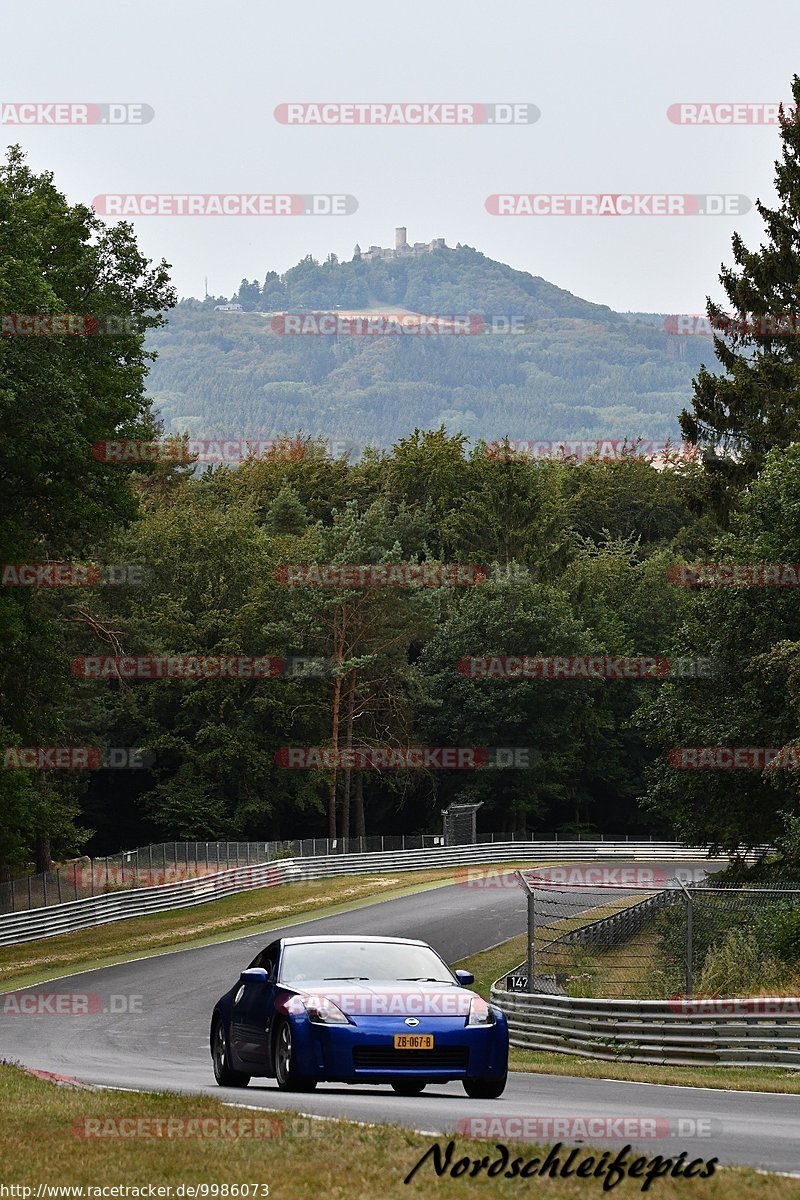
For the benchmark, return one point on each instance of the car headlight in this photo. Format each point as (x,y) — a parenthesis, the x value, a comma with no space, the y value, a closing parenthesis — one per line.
(324,1012)
(480,1013)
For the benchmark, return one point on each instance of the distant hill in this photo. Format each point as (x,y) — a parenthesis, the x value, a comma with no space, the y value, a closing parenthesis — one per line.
(577,369)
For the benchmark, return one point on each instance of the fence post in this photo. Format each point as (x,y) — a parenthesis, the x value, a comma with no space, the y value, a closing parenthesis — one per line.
(689,938)
(44,886)
(75,877)
(58,883)
(689,946)
(531,936)
(30,902)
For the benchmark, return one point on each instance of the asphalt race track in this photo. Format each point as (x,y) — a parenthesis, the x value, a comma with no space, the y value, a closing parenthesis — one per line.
(148,1029)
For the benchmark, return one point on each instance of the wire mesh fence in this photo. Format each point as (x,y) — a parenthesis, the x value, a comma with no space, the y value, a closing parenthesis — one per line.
(653,935)
(169,862)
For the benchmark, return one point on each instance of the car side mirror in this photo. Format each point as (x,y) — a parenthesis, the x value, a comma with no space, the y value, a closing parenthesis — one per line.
(465,978)
(254,975)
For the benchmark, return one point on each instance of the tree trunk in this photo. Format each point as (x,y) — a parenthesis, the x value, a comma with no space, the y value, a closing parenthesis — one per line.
(337,696)
(42,852)
(359,805)
(348,740)
(339,623)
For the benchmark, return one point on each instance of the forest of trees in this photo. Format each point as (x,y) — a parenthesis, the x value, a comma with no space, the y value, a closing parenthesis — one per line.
(576,559)
(579,560)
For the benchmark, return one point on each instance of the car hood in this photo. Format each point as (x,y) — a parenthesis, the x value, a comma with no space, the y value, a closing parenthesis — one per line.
(401,999)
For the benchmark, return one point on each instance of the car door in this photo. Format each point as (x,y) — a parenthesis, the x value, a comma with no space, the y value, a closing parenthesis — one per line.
(253,1012)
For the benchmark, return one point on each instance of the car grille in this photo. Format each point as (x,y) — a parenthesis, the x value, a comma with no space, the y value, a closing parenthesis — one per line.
(387,1058)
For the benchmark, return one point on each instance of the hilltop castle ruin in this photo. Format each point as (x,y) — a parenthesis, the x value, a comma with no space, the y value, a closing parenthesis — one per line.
(402,248)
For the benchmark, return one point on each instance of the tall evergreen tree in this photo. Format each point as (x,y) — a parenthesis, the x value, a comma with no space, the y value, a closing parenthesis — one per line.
(755,406)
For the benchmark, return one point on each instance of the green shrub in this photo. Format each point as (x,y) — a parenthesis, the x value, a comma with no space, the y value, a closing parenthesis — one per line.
(778,930)
(738,964)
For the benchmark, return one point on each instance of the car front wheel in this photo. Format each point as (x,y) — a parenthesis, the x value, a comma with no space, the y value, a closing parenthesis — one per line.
(223,1072)
(485,1089)
(286,1074)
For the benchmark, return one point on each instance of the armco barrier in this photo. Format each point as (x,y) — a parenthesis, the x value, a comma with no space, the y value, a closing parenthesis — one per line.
(758,1032)
(118,906)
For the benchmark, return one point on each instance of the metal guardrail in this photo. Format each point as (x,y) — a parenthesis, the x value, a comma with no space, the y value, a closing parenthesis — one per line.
(619,926)
(117,906)
(754,1032)
(169,862)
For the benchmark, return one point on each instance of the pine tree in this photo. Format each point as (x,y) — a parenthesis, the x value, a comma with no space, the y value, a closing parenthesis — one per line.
(756,405)
(286,514)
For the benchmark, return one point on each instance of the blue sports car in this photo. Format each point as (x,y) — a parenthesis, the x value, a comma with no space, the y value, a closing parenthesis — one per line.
(357,1010)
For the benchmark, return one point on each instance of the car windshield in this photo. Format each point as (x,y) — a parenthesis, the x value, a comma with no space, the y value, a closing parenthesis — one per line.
(392,961)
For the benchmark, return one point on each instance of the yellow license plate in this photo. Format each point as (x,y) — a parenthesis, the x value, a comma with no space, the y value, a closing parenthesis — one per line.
(413,1041)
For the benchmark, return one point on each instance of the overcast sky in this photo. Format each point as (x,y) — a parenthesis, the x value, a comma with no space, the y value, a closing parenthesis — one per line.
(602,74)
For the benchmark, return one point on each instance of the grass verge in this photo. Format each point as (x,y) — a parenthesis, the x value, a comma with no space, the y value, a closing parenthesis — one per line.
(45,1142)
(738,1079)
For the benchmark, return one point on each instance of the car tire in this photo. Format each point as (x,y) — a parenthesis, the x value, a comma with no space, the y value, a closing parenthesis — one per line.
(286,1074)
(409,1087)
(485,1089)
(223,1071)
